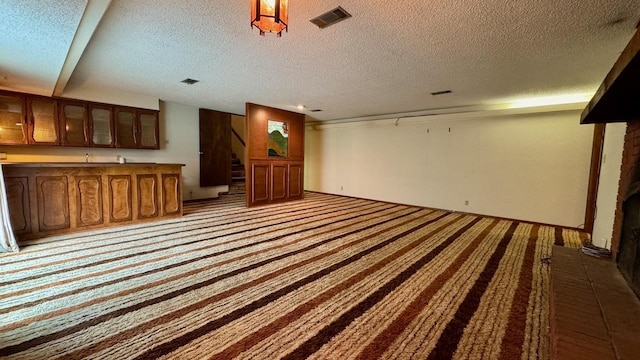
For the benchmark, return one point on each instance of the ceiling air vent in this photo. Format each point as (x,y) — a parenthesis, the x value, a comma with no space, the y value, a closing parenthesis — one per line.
(316,110)
(189,81)
(441,92)
(331,17)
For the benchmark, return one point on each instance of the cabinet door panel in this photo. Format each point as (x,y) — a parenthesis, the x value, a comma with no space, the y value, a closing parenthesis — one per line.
(101,125)
(89,200)
(260,183)
(12,120)
(125,121)
(147,196)
(120,208)
(18,203)
(171,194)
(74,124)
(279,182)
(43,121)
(53,202)
(295,181)
(148,134)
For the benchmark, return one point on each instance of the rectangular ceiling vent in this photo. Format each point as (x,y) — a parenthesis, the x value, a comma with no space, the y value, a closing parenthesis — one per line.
(331,17)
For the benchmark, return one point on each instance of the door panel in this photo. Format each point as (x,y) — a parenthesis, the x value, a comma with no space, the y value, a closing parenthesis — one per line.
(89,200)
(147,196)
(215,148)
(260,183)
(279,185)
(171,194)
(120,207)
(295,181)
(18,203)
(53,202)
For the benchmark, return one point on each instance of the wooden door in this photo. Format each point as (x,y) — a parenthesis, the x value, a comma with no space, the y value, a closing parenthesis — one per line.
(148,134)
(43,121)
(147,196)
(74,124)
(12,119)
(101,126)
(18,202)
(53,202)
(125,126)
(88,200)
(215,148)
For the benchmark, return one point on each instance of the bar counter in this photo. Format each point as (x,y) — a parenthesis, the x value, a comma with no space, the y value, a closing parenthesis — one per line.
(53,198)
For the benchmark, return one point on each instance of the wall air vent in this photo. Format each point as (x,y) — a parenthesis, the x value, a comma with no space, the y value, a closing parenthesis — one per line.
(189,81)
(331,17)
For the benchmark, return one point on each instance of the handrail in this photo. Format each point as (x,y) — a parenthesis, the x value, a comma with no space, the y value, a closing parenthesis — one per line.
(238,136)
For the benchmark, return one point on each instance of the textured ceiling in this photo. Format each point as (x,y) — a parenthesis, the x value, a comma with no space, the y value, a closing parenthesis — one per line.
(386,59)
(35,37)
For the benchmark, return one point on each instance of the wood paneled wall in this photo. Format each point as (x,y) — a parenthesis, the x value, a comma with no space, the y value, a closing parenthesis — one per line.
(272,179)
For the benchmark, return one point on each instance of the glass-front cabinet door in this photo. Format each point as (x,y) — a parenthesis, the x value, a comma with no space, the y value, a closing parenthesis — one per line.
(13,128)
(43,121)
(125,128)
(74,124)
(148,129)
(101,126)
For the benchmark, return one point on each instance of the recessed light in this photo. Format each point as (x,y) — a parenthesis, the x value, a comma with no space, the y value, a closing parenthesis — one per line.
(189,81)
(300,107)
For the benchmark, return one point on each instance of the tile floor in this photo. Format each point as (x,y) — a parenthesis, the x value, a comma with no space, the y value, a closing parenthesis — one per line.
(594,314)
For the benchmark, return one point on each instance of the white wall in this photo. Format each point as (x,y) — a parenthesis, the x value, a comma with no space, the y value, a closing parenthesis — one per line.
(179,143)
(608,183)
(532,167)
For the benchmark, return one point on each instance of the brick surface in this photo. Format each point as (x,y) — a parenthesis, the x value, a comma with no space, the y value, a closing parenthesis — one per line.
(594,314)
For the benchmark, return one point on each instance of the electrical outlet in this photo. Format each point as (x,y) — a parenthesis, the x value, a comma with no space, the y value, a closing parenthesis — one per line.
(466,202)
(340,187)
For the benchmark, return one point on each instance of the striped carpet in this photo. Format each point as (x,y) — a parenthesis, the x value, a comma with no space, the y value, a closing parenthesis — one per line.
(326,277)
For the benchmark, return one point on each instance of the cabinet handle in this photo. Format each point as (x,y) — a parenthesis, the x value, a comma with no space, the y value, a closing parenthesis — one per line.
(201,152)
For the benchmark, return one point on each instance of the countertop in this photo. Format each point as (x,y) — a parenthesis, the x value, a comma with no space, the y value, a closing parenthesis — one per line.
(83,164)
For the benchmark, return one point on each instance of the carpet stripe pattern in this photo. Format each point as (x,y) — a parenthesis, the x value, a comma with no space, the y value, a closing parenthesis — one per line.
(326,277)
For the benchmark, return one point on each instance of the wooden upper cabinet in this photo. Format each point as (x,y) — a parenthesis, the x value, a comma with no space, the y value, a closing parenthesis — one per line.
(136,128)
(74,124)
(13,126)
(126,130)
(39,120)
(101,126)
(42,119)
(148,132)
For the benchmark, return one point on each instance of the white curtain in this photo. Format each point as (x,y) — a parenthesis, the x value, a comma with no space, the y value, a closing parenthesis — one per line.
(7,240)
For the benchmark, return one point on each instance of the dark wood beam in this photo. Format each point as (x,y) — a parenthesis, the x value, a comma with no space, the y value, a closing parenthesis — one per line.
(618,98)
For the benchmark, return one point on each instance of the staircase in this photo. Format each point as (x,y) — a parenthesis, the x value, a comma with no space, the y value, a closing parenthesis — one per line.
(237,176)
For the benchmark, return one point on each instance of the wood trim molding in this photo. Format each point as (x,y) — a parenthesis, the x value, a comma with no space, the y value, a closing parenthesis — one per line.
(594,176)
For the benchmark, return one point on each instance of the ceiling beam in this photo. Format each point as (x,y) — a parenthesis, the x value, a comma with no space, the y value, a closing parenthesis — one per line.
(616,100)
(91,17)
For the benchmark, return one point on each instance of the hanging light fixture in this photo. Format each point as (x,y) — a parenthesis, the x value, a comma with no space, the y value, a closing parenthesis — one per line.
(270,15)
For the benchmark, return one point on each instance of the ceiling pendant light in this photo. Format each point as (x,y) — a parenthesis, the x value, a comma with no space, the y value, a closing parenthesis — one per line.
(270,15)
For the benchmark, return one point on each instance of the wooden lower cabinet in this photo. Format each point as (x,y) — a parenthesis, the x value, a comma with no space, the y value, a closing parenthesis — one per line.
(171,195)
(88,200)
(147,196)
(275,181)
(58,198)
(53,202)
(18,200)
